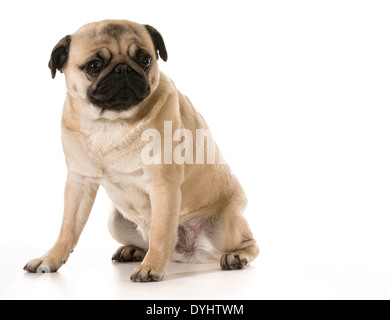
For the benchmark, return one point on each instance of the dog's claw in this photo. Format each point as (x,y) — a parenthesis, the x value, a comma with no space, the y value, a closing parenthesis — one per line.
(128,254)
(145,274)
(234,262)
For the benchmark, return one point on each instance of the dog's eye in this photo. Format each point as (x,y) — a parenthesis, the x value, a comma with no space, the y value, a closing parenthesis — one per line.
(145,61)
(94,68)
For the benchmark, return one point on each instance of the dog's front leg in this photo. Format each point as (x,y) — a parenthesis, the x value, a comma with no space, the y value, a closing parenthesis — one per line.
(165,201)
(79,198)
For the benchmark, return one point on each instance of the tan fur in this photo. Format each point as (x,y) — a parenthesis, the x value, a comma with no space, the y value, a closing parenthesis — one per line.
(150,202)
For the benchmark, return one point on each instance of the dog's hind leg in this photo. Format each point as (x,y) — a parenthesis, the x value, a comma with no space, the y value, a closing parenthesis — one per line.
(231,235)
(125,232)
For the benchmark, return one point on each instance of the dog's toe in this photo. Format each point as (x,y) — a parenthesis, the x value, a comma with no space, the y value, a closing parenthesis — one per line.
(40,266)
(128,254)
(146,274)
(234,262)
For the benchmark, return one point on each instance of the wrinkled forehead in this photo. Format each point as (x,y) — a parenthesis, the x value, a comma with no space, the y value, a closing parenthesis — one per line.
(118,36)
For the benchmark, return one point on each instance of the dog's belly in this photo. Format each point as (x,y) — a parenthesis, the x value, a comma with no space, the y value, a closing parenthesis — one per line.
(194,245)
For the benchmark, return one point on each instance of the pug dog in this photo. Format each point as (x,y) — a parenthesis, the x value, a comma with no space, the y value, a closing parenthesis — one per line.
(125,127)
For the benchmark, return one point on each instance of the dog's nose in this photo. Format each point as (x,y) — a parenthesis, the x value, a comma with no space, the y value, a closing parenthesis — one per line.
(124,69)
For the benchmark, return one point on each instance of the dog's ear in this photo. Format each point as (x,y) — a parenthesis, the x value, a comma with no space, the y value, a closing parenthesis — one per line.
(59,56)
(158,42)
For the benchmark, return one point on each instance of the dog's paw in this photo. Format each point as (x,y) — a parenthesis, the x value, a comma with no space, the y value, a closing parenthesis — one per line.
(129,254)
(50,262)
(144,273)
(44,265)
(234,262)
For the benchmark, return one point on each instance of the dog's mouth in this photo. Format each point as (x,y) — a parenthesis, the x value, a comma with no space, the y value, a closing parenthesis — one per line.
(119,91)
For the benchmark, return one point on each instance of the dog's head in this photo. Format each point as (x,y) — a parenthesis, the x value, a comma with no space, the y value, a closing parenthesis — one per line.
(111,64)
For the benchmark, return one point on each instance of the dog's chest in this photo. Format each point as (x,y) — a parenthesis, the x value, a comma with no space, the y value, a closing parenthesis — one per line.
(117,158)
(112,149)
(103,136)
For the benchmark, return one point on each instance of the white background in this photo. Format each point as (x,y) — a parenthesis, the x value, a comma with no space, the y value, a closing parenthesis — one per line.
(297,96)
